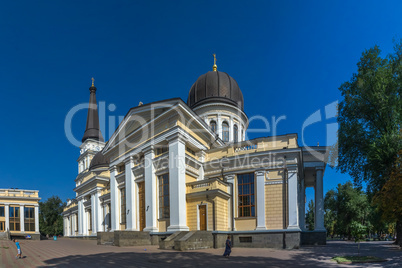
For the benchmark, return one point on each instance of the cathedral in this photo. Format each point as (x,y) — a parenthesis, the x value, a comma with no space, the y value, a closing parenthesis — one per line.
(181,175)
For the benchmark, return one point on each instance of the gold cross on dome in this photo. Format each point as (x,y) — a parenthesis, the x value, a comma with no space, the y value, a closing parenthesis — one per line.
(93,80)
(214,67)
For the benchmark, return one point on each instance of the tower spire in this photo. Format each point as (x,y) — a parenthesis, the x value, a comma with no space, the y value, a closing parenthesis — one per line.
(92,130)
(215,67)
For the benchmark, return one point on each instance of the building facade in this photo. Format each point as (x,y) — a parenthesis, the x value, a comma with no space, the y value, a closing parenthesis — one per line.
(19,213)
(173,168)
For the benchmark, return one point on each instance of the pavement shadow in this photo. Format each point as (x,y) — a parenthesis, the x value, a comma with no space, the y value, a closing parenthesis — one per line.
(316,256)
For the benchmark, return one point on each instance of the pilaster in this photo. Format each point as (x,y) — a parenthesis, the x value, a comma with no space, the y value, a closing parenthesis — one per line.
(114,202)
(150,191)
(177,184)
(260,179)
(131,218)
(80,216)
(36,219)
(22,219)
(98,212)
(93,214)
(231,214)
(7,216)
(293,213)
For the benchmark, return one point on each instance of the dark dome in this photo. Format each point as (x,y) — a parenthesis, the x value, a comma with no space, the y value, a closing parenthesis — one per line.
(215,86)
(98,161)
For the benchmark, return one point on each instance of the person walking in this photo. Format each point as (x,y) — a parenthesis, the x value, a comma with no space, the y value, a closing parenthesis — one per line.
(228,247)
(19,252)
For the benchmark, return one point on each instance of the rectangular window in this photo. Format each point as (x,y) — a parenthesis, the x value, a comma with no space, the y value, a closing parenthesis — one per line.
(14,218)
(1,211)
(123,205)
(164,203)
(2,226)
(29,219)
(245,183)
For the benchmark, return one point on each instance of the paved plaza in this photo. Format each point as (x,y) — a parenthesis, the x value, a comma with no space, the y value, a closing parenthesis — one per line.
(85,253)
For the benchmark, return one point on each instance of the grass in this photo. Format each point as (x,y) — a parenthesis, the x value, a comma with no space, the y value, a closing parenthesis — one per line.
(6,247)
(356,259)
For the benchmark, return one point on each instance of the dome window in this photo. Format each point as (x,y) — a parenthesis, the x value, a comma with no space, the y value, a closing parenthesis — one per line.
(235,133)
(213,126)
(225,131)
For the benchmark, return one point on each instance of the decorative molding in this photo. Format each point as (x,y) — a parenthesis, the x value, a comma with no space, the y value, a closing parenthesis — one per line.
(274,182)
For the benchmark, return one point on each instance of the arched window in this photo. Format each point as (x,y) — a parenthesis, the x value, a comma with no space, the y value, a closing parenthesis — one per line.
(225,131)
(212,124)
(235,133)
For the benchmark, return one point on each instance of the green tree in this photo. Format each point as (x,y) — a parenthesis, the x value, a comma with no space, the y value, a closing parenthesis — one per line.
(345,205)
(358,231)
(50,218)
(369,117)
(310,215)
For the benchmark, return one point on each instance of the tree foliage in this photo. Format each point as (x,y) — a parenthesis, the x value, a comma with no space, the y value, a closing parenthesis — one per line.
(369,136)
(310,215)
(50,218)
(370,118)
(345,205)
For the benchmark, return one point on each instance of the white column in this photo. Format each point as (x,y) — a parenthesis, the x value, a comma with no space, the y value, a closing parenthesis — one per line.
(7,216)
(80,216)
(293,212)
(85,222)
(114,202)
(201,158)
(150,191)
(99,212)
(22,222)
(239,133)
(37,219)
(131,218)
(231,133)
(260,178)
(93,213)
(219,126)
(177,184)
(231,180)
(319,201)
(302,205)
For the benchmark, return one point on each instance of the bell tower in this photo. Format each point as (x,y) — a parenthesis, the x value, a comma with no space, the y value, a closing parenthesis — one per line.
(93,141)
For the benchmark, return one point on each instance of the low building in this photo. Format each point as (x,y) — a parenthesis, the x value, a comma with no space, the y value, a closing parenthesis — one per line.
(183,172)
(19,213)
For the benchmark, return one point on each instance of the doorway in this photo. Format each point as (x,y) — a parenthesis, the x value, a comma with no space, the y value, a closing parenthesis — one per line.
(141,204)
(203,217)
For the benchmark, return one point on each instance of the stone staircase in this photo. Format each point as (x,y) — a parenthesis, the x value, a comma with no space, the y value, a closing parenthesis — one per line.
(5,235)
(194,240)
(169,242)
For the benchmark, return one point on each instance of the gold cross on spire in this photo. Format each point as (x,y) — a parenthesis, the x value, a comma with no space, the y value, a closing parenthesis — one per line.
(93,80)
(214,67)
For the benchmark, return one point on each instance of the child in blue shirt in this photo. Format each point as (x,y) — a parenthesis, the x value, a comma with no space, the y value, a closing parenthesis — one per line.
(18,249)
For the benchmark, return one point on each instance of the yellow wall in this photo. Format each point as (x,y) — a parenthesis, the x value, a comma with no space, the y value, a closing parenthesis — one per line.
(221,214)
(245,224)
(274,206)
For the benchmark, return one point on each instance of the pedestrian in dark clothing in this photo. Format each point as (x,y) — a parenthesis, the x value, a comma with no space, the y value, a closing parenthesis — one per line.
(228,247)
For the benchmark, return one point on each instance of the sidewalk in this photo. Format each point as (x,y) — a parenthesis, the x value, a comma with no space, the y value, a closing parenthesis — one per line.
(85,253)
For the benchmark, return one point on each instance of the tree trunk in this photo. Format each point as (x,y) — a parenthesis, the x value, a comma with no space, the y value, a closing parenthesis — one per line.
(399,232)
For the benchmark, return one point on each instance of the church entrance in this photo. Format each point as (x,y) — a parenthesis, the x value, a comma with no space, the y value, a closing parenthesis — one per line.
(141,201)
(203,217)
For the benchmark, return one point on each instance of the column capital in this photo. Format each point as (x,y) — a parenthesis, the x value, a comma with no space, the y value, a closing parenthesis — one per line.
(260,172)
(128,160)
(292,169)
(319,168)
(177,137)
(113,168)
(148,150)
(229,176)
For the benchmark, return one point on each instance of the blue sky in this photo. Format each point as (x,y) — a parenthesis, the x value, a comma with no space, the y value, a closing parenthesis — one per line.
(288,57)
